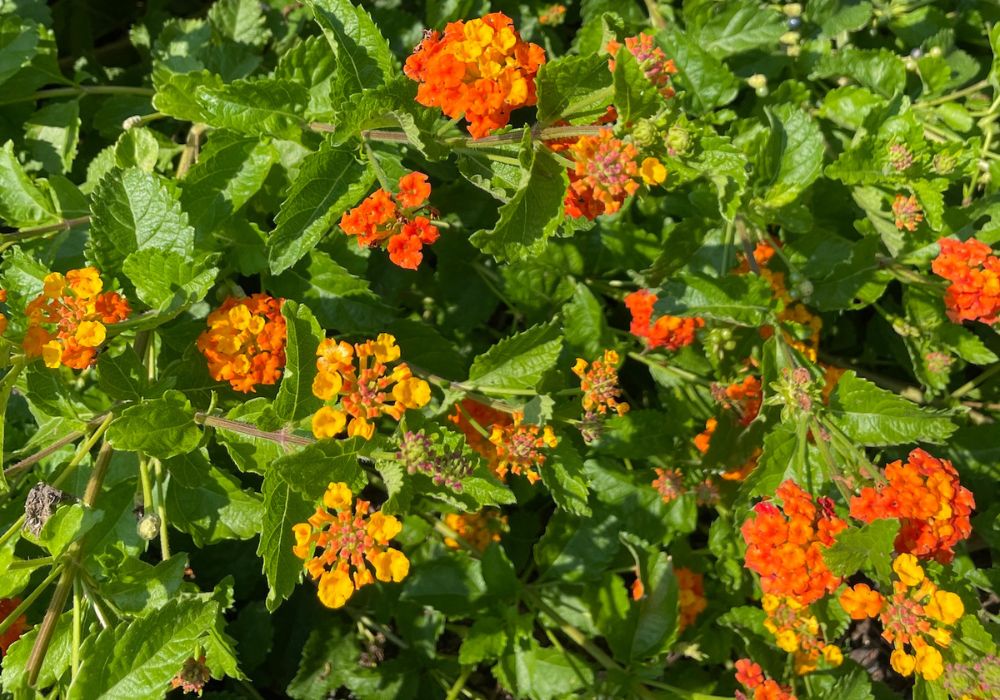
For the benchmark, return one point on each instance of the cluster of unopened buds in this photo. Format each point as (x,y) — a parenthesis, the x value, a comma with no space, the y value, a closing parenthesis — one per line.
(193,676)
(670,484)
(654,63)
(924,493)
(751,676)
(342,542)
(785,545)
(480,69)
(907,212)
(670,332)
(245,342)
(442,460)
(477,530)
(359,386)
(916,619)
(601,392)
(396,220)
(521,447)
(974,273)
(797,631)
(67,322)
(976,680)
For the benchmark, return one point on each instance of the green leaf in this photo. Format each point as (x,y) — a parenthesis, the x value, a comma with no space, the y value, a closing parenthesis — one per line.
(295,399)
(240,21)
(122,377)
(652,624)
(137,148)
(854,282)
(994,75)
(133,210)
(563,475)
(740,29)
(329,182)
(635,95)
(167,281)
(867,548)
(363,56)
(573,86)
(68,524)
(255,106)
(21,202)
(795,154)
(450,584)
(209,504)
(229,171)
(584,325)
(176,93)
(485,640)
(706,81)
(872,416)
(879,70)
(779,452)
(534,212)
(518,362)
(161,428)
(745,300)
(51,135)
(18,44)
(538,673)
(250,453)
(136,660)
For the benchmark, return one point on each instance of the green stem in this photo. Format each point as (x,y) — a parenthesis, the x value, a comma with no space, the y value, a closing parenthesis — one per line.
(77,628)
(456,688)
(12,530)
(28,564)
(43,231)
(376,167)
(971,89)
(281,438)
(973,383)
(83,450)
(677,371)
(58,444)
(161,509)
(81,91)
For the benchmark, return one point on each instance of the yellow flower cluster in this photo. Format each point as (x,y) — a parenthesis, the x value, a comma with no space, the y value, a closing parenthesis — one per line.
(797,631)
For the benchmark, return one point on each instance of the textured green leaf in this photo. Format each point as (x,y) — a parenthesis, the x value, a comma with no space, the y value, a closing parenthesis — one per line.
(738,29)
(133,210)
(255,106)
(240,21)
(532,215)
(652,624)
(162,427)
(122,377)
(295,399)
(209,504)
(795,154)
(519,361)
(706,81)
(251,453)
(873,416)
(52,134)
(167,281)
(484,640)
(745,300)
(868,548)
(542,673)
(563,474)
(229,171)
(310,63)
(176,93)
(879,70)
(137,148)
(573,86)
(21,202)
(635,95)
(584,325)
(329,182)
(18,44)
(363,56)
(853,282)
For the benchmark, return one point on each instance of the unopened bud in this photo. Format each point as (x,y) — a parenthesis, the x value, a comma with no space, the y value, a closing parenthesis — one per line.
(792,9)
(757,80)
(149,527)
(790,38)
(644,132)
(678,141)
(132,122)
(935,52)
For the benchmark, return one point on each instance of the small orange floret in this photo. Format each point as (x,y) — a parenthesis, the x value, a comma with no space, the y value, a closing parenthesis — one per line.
(670,332)
(861,601)
(974,273)
(691,600)
(480,69)
(245,342)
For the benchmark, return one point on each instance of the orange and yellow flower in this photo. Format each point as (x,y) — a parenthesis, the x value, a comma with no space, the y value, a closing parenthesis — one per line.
(974,273)
(67,321)
(480,69)
(654,63)
(907,212)
(476,529)
(245,342)
(359,386)
(342,543)
(751,676)
(691,601)
(395,220)
(604,175)
(670,332)
(932,506)
(521,447)
(797,631)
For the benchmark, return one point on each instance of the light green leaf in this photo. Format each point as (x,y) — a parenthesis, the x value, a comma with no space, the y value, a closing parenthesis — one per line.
(137,148)
(21,202)
(295,399)
(133,210)
(484,640)
(51,135)
(542,673)
(18,44)
(563,475)
(635,95)
(176,93)
(879,70)
(584,324)
(738,29)
(256,106)
(329,182)
(706,81)
(167,281)
(363,55)
(240,21)
(867,548)
(745,300)
(573,87)
(519,361)
(872,416)
(161,428)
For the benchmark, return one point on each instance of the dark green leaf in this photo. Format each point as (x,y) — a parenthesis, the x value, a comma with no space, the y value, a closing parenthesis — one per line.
(573,86)
(295,399)
(518,362)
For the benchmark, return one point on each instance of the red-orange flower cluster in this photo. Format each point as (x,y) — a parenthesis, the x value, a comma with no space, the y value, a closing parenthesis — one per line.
(604,175)
(654,63)
(924,493)
(786,548)
(974,273)
(394,218)
(745,398)
(691,600)
(245,342)
(751,676)
(14,632)
(481,69)
(907,212)
(66,322)
(670,332)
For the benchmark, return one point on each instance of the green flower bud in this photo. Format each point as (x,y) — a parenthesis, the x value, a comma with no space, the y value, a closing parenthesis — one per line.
(790,38)
(645,133)
(792,9)
(944,163)
(149,527)
(678,141)
(757,81)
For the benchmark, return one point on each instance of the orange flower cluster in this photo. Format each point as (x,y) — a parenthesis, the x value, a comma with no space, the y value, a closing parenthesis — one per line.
(519,447)
(476,435)
(974,273)
(357,378)
(669,483)
(654,63)
(932,507)
(552,16)
(916,618)
(604,175)
(394,218)
(599,382)
(670,332)
(907,212)
(797,631)
(786,548)
(14,632)
(245,342)
(349,540)
(481,69)
(745,398)
(691,600)
(751,676)
(477,529)
(193,676)
(66,322)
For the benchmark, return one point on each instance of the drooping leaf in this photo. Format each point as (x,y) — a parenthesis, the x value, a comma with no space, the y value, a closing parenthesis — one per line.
(363,56)
(795,152)
(745,300)
(257,106)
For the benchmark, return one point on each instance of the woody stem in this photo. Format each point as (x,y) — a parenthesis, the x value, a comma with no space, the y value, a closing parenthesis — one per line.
(282,438)
(47,230)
